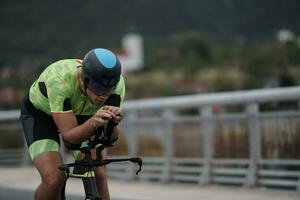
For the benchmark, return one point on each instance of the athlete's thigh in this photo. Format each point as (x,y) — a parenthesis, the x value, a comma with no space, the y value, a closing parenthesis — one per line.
(100,171)
(79,155)
(104,153)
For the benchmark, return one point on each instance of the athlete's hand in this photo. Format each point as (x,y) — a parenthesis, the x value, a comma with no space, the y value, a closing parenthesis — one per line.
(117,114)
(100,118)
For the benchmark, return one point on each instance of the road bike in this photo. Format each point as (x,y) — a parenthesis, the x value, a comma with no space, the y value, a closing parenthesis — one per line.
(83,169)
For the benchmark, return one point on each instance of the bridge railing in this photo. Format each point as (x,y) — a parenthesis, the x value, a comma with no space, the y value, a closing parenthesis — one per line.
(247,138)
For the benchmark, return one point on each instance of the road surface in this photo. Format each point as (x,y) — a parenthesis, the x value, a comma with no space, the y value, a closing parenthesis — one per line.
(19,183)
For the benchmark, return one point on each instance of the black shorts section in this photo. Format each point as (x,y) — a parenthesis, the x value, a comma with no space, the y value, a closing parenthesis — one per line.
(37,125)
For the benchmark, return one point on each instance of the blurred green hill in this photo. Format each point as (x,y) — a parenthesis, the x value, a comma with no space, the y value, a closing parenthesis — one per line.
(47,30)
(190,46)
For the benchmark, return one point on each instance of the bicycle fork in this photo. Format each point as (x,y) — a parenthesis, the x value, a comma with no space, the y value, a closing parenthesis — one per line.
(90,188)
(89,184)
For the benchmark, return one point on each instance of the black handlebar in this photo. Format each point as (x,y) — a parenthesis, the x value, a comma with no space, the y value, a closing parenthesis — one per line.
(88,162)
(94,163)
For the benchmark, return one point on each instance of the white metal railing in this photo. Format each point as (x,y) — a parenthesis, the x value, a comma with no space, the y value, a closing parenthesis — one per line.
(159,115)
(222,98)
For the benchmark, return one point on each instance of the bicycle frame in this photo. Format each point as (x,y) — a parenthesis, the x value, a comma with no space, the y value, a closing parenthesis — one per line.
(84,169)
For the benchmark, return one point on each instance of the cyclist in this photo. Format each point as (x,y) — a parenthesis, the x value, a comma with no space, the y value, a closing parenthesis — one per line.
(71,97)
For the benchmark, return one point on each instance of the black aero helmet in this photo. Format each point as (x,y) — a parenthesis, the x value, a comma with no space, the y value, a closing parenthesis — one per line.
(102,67)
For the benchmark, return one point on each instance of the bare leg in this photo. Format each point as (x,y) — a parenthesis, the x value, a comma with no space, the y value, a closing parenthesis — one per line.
(52,178)
(101,178)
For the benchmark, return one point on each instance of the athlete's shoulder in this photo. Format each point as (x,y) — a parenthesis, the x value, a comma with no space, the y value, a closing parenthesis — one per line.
(66,62)
(122,80)
(64,66)
(121,85)
(120,89)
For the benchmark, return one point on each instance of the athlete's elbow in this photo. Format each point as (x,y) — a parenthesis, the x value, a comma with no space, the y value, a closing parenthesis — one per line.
(69,138)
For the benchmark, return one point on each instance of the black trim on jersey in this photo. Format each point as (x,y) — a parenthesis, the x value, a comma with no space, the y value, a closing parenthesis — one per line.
(113,100)
(67,104)
(43,88)
(82,118)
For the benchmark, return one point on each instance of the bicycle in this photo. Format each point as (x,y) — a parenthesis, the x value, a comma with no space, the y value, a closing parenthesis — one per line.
(84,168)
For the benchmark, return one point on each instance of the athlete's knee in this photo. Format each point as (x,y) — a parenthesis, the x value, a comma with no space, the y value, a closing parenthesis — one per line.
(101,173)
(53,180)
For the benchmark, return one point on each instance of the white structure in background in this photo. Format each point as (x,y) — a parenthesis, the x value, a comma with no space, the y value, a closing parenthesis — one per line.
(132,57)
(285,35)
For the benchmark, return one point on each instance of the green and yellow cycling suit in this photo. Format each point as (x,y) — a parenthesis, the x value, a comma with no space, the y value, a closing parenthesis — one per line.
(57,91)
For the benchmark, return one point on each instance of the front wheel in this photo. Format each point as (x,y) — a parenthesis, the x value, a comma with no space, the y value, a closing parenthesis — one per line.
(94,198)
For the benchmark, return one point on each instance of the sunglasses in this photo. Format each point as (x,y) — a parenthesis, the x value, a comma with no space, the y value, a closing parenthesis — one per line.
(99,89)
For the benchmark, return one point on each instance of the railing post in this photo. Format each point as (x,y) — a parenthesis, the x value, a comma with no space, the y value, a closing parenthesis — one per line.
(132,142)
(298,186)
(207,130)
(255,143)
(167,117)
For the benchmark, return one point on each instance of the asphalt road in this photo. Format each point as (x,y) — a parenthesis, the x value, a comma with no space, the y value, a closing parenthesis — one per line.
(18,183)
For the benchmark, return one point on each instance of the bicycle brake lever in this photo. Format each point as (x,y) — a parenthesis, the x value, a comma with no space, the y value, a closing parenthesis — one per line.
(139,161)
(140,168)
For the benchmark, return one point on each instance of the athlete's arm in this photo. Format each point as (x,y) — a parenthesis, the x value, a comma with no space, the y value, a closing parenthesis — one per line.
(74,133)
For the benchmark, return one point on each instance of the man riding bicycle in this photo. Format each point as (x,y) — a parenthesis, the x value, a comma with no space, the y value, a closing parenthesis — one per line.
(73,98)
